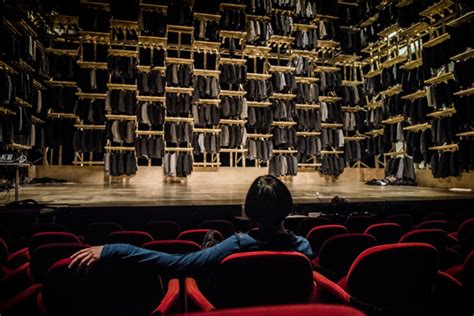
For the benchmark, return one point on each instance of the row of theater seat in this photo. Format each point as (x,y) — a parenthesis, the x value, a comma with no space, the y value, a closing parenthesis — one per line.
(336,248)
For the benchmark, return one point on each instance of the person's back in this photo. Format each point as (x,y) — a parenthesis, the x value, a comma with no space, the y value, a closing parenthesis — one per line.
(268,202)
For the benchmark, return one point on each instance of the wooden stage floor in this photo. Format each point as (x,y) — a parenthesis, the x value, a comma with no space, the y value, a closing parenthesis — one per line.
(173,194)
(225,187)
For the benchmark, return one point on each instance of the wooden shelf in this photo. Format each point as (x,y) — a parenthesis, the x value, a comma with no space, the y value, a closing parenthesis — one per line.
(328,44)
(284,151)
(147,98)
(354,138)
(147,69)
(57,83)
(121,117)
(97,37)
(259,135)
(94,96)
(206,46)
(233,61)
(257,76)
(418,127)
(63,115)
(442,113)
(23,103)
(120,86)
(389,30)
(332,152)
(90,127)
(232,34)
(182,61)
(283,123)
(232,122)
(371,20)
(394,153)
(179,119)
(36,120)
(309,165)
(5,111)
(258,104)
(393,61)
(392,90)
(232,93)
(412,64)
(466,134)
(331,125)
(437,40)
(62,52)
(307,134)
(414,31)
(207,16)
(351,83)
(123,53)
(179,90)
(206,73)
(308,80)
(375,132)
(88,163)
(206,130)
(281,69)
(436,8)
(463,93)
(394,120)
(283,96)
(440,78)
(233,150)
(462,19)
(300,106)
(374,105)
(257,51)
(373,73)
(7,68)
(119,148)
(280,40)
(327,69)
(329,99)
(352,109)
(209,101)
(469,53)
(92,65)
(150,133)
(415,95)
(451,147)
(152,41)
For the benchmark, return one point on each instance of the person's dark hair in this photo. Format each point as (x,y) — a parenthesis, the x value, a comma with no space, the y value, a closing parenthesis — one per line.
(268,201)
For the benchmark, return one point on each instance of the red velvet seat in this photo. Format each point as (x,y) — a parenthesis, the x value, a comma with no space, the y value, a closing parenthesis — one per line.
(163,230)
(358,223)
(256,278)
(173,246)
(309,223)
(43,257)
(385,233)
(458,270)
(392,279)
(132,237)
(197,235)
(226,228)
(25,303)
(464,236)
(339,252)
(22,256)
(47,227)
(3,259)
(404,220)
(98,232)
(435,217)
(318,235)
(286,310)
(108,289)
(434,224)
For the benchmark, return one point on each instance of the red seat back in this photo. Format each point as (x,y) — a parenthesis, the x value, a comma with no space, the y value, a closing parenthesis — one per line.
(51,238)
(293,310)
(404,220)
(434,224)
(226,228)
(43,257)
(163,230)
(309,223)
(358,223)
(47,227)
(436,237)
(318,235)
(263,278)
(132,237)
(197,235)
(98,232)
(173,246)
(394,277)
(435,216)
(385,233)
(339,252)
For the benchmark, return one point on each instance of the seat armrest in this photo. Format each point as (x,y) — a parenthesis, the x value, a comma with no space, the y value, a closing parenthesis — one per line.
(326,286)
(170,301)
(195,296)
(18,258)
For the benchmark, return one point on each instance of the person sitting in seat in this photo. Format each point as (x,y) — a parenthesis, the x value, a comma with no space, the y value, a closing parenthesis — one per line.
(268,202)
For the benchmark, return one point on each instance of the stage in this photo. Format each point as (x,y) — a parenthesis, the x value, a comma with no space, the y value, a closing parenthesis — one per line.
(228,186)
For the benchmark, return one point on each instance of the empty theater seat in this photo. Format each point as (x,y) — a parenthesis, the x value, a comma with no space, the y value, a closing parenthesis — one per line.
(309,223)
(163,230)
(226,228)
(385,233)
(197,235)
(358,223)
(132,237)
(434,224)
(256,278)
(98,232)
(318,235)
(404,220)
